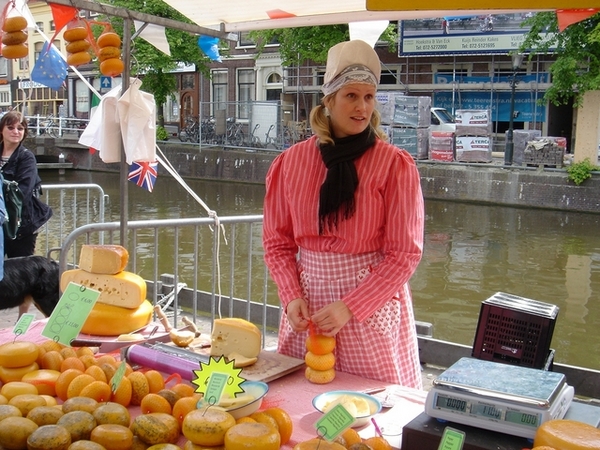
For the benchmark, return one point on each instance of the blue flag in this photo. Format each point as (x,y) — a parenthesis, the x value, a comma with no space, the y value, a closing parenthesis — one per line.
(210,46)
(50,69)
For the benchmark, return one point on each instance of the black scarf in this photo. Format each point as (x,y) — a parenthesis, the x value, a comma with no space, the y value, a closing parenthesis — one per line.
(337,191)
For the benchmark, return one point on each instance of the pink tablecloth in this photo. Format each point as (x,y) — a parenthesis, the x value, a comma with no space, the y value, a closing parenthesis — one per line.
(294,394)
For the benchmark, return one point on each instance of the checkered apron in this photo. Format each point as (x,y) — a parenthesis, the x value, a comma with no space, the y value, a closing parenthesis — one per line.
(384,347)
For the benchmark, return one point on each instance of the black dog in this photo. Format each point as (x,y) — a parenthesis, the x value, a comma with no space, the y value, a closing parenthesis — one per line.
(27,280)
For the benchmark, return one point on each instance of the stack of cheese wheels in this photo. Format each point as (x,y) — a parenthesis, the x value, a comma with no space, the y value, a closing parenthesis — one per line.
(319,359)
(17,359)
(122,306)
(14,37)
(77,46)
(109,54)
(237,340)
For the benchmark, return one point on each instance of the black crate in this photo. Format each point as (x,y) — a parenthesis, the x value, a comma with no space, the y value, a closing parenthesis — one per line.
(515,330)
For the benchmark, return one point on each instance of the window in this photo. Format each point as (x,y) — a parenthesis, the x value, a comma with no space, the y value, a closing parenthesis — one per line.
(39,26)
(274,87)
(39,46)
(246,92)
(187,81)
(219,89)
(389,75)
(52,25)
(3,67)
(244,40)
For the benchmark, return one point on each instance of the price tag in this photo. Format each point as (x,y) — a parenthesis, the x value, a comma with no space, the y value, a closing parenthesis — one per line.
(452,439)
(23,324)
(215,388)
(334,422)
(118,376)
(69,315)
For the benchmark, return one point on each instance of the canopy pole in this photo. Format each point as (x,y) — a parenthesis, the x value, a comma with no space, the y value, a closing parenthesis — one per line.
(124,172)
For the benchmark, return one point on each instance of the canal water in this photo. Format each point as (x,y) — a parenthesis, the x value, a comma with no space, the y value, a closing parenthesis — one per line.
(471,252)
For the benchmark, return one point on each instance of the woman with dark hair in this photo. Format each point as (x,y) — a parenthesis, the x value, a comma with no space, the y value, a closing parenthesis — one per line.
(19,164)
(343,229)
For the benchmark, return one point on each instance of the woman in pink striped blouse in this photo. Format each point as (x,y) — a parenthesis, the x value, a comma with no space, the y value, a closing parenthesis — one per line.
(343,229)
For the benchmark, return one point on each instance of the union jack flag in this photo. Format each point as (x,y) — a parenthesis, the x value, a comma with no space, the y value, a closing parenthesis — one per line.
(143,173)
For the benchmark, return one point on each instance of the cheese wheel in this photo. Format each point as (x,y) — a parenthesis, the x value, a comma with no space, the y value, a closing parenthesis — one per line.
(8,374)
(103,259)
(318,444)
(15,23)
(109,320)
(79,58)
(75,34)
(233,335)
(14,37)
(44,380)
(567,434)
(252,436)
(15,51)
(18,353)
(78,46)
(207,426)
(109,52)
(124,289)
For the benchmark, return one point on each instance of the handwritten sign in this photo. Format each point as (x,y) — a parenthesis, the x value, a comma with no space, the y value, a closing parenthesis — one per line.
(216,378)
(452,439)
(334,422)
(71,312)
(23,324)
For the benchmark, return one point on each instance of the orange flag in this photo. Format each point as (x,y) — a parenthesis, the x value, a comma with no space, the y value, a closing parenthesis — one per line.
(62,15)
(568,17)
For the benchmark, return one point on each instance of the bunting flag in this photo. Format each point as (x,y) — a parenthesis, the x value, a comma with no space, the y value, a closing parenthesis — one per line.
(568,17)
(153,34)
(143,173)
(209,45)
(50,68)
(61,15)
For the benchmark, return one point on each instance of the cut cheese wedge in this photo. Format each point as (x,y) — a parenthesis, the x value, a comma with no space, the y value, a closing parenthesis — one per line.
(125,289)
(241,360)
(567,434)
(109,320)
(233,335)
(103,259)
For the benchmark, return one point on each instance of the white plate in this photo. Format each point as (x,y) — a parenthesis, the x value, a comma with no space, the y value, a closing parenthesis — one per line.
(322,401)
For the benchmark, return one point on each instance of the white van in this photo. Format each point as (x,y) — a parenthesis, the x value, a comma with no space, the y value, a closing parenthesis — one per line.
(442,120)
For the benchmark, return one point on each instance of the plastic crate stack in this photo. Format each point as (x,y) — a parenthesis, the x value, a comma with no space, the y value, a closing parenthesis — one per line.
(473,135)
(407,121)
(441,145)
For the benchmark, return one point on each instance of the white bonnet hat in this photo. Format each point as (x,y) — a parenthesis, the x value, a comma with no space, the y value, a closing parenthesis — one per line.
(351,62)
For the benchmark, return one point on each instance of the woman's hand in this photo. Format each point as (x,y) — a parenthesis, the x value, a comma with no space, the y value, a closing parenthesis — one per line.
(297,314)
(332,318)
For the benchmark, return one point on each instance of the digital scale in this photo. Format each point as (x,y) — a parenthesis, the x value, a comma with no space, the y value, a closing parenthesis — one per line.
(500,397)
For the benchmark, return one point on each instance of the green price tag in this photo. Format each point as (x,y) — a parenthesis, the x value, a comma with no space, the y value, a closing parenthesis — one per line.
(23,324)
(452,439)
(216,386)
(118,376)
(70,313)
(334,422)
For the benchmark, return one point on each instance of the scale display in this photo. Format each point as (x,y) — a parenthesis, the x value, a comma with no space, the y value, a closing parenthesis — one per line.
(500,397)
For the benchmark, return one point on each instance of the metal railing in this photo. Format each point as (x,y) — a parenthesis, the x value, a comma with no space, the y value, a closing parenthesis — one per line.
(53,126)
(73,205)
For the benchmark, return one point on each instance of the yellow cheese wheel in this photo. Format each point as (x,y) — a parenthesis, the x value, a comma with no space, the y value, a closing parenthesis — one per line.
(109,52)
(112,67)
(252,436)
(15,23)
(112,436)
(109,39)
(44,380)
(75,34)
(207,426)
(124,289)
(18,353)
(567,434)
(14,37)
(79,58)
(15,51)
(318,444)
(8,374)
(104,259)
(81,45)
(109,320)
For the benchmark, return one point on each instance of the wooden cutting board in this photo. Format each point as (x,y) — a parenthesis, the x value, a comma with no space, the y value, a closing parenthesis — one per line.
(270,365)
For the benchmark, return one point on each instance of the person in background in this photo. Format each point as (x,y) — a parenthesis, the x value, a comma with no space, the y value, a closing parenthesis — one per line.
(19,164)
(3,218)
(343,229)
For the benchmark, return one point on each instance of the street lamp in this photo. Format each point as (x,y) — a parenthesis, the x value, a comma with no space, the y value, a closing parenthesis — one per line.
(517,59)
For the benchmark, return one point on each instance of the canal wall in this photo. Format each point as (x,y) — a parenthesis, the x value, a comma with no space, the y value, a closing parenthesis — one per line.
(489,183)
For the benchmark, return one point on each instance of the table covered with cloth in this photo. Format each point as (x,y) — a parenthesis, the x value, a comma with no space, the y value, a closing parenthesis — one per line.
(294,394)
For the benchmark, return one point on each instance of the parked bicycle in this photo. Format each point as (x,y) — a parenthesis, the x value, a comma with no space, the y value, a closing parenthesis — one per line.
(254,140)
(235,132)
(189,131)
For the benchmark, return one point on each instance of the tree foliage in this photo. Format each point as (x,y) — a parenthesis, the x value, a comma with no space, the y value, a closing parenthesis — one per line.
(576,69)
(297,45)
(155,66)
